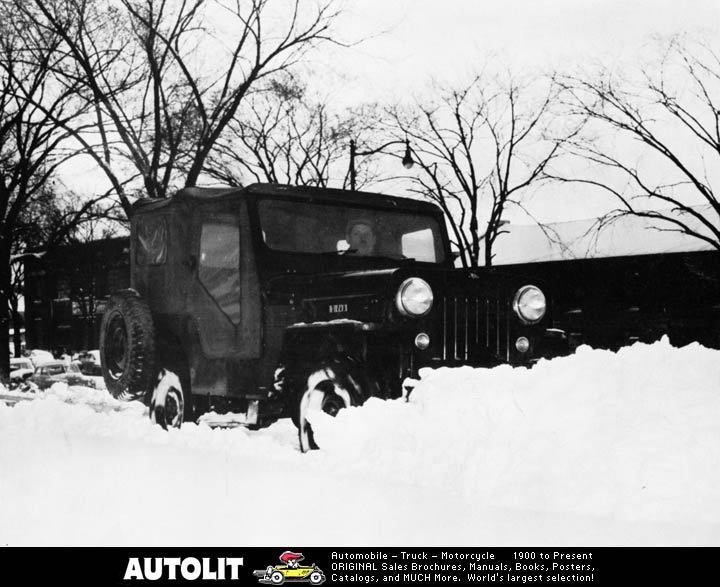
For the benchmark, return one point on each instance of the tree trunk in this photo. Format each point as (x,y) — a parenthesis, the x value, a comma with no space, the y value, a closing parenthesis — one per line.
(5,285)
(17,326)
(488,250)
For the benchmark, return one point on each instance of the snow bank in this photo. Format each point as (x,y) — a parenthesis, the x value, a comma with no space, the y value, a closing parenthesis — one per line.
(633,435)
(594,449)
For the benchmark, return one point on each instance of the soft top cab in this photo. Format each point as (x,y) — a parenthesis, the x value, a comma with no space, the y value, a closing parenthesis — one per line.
(297,220)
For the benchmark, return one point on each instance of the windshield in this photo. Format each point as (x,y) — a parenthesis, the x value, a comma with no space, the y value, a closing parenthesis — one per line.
(303,227)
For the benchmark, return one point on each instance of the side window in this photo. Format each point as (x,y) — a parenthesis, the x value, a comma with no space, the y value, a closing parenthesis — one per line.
(219,265)
(419,245)
(151,240)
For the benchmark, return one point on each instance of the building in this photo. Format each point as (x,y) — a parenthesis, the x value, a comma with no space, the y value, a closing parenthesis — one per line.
(66,290)
(628,281)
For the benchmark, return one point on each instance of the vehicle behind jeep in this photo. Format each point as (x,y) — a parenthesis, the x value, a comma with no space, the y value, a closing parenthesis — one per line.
(271,301)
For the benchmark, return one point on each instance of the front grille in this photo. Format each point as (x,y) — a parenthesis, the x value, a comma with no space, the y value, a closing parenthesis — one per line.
(474,329)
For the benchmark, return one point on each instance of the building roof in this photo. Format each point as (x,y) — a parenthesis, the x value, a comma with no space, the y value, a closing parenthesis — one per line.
(581,239)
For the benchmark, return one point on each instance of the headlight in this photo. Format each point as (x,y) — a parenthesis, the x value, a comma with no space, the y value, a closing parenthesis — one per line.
(529,304)
(414,298)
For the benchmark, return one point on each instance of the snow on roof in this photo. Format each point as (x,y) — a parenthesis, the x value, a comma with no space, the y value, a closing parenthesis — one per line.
(580,239)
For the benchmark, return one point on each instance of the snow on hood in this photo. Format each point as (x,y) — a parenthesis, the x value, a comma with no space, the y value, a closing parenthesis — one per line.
(599,448)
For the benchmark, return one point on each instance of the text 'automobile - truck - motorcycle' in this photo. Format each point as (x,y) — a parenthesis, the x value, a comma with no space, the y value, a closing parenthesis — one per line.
(271,301)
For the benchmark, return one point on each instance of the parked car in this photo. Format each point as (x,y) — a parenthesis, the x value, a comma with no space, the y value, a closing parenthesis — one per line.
(53,371)
(273,300)
(21,369)
(89,362)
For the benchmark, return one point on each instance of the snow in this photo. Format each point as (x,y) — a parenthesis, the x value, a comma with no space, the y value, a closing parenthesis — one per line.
(598,448)
(39,357)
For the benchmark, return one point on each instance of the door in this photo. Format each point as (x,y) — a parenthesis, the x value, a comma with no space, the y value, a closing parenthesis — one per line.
(224,297)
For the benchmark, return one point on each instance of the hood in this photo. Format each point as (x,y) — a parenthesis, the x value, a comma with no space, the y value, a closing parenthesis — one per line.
(369,295)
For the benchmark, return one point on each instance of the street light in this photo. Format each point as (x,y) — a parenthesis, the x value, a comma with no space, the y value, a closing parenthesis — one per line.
(407,159)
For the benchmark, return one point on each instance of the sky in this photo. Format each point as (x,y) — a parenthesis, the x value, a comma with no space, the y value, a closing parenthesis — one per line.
(407,42)
(499,457)
(396,48)
(425,41)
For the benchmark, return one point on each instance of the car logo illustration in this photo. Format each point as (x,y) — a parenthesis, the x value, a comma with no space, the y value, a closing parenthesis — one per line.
(290,571)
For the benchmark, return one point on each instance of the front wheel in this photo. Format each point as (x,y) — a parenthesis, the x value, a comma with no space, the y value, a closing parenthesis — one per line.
(170,404)
(325,392)
(277,578)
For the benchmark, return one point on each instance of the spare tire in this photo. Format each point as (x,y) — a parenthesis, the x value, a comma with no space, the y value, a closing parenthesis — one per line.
(127,346)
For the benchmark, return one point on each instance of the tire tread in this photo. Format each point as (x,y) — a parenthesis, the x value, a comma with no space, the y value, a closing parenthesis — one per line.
(137,379)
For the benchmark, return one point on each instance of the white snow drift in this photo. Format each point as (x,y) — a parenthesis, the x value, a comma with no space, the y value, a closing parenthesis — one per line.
(594,449)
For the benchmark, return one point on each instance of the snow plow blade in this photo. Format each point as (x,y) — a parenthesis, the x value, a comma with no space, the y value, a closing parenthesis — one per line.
(232,420)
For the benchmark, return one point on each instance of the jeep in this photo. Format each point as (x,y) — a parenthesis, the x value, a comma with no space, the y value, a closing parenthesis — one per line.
(269,301)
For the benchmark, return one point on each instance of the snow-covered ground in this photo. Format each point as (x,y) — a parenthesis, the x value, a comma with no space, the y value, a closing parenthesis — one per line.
(599,448)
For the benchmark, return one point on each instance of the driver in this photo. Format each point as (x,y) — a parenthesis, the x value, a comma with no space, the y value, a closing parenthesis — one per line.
(360,235)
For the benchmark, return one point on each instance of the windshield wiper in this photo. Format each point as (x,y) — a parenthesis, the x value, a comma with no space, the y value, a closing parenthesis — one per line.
(398,257)
(338,253)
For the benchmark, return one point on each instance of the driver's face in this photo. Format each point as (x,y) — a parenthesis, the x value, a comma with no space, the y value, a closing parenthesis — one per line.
(362,239)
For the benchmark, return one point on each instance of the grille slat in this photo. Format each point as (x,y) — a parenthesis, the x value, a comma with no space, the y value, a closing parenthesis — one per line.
(444,326)
(487,323)
(497,330)
(477,321)
(467,327)
(455,321)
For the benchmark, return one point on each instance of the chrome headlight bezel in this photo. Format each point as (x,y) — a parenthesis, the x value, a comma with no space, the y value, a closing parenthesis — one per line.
(522,305)
(414,297)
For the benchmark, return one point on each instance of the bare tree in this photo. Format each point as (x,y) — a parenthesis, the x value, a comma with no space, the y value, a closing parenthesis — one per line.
(655,145)
(480,148)
(87,278)
(284,135)
(39,220)
(31,151)
(164,80)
